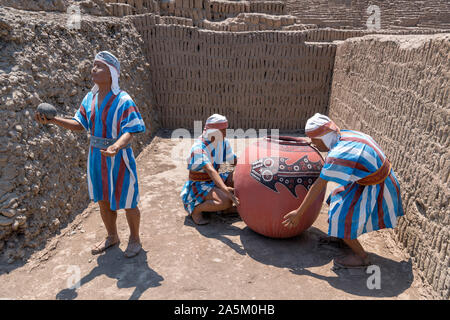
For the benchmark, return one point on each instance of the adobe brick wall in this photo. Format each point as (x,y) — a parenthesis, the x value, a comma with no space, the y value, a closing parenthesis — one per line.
(258,79)
(120,8)
(330,34)
(194,9)
(215,10)
(352,13)
(396,89)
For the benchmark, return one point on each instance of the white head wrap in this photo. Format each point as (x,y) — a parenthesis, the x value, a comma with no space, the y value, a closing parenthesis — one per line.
(321,127)
(114,68)
(213,124)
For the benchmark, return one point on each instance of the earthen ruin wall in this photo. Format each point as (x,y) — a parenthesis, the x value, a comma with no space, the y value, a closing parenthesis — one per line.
(43,168)
(396,89)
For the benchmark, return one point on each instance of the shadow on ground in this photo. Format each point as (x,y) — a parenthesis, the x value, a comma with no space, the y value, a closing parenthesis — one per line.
(129,272)
(219,227)
(16,263)
(302,252)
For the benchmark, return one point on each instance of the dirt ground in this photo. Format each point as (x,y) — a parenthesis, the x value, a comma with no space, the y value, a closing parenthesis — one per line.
(222,260)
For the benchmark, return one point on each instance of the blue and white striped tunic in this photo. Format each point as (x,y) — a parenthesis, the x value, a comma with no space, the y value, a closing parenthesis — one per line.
(202,153)
(112,179)
(356,209)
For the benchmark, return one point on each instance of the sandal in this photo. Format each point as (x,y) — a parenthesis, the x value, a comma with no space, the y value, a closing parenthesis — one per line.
(105,244)
(327,240)
(344,262)
(133,249)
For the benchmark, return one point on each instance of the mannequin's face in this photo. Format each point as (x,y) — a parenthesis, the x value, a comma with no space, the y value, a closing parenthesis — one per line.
(100,73)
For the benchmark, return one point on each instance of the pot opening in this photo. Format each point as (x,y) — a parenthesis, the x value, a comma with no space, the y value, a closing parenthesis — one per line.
(285,140)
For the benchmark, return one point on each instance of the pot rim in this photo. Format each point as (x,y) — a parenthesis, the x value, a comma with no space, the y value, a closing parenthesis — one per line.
(287,140)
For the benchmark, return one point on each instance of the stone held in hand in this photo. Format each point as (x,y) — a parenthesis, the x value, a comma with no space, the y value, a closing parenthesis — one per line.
(48,110)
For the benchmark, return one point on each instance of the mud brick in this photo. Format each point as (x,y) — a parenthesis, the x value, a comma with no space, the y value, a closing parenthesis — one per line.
(198,4)
(195,14)
(172,7)
(245,6)
(139,5)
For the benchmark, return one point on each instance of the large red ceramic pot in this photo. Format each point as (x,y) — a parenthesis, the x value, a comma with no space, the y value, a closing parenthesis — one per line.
(272,178)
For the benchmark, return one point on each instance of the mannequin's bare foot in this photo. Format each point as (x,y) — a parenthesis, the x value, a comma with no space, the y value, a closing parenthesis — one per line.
(199,219)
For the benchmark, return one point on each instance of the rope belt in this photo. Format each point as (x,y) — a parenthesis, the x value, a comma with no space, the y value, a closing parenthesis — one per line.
(199,176)
(103,143)
(378,176)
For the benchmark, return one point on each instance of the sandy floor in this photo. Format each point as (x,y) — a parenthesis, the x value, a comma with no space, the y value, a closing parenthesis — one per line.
(223,260)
